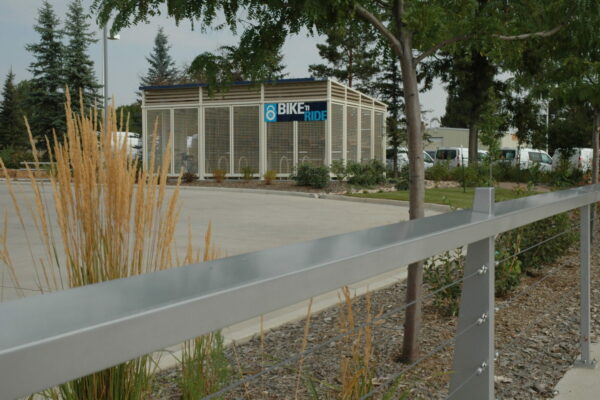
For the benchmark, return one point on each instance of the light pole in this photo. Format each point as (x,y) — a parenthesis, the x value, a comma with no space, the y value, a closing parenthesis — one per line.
(105,38)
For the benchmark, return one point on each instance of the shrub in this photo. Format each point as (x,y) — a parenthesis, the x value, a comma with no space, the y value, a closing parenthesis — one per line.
(565,175)
(12,157)
(440,271)
(339,170)
(438,172)
(248,173)
(204,366)
(366,174)
(316,176)
(508,269)
(270,176)
(403,180)
(219,175)
(474,175)
(189,177)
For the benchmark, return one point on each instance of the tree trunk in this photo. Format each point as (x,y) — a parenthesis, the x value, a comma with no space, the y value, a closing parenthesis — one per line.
(473,143)
(414,282)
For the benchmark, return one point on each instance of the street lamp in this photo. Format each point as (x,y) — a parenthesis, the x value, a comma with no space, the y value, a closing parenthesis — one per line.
(105,39)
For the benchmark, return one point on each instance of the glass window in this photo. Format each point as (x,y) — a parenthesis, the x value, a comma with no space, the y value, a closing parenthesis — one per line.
(445,154)
(280,147)
(508,154)
(185,140)
(546,158)
(245,138)
(535,156)
(311,142)
(159,126)
(427,157)
(216,138)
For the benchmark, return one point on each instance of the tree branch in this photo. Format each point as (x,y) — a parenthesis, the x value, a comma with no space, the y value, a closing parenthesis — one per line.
(373,20)
(533,34)
(440,45)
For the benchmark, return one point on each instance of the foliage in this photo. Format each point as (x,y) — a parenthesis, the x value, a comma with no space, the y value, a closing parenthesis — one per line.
(316,176)
(403,179)
(248,173)
(473,175)
(440,271)
(189,177)
(46,99)
(350,54)
(368,173)
(12,157)
(162,69)
(508,268)
(270,176)
(12,127)
(204,367)
(131,115)
(78,68)
(440,171)
(339,170)
(219,175)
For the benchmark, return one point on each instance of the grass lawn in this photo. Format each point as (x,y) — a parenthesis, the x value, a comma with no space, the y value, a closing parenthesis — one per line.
(455,197)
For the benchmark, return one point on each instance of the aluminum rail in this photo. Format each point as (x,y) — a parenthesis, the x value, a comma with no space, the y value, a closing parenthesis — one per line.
(53,338)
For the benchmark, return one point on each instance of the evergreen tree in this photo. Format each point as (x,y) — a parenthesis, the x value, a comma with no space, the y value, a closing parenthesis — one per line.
(46,96)
(162,69)
(133,113)
(78,67)
(351,55)
(12,127)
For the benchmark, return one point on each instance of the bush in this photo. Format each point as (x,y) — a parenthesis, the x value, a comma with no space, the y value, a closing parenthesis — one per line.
(339,170)
(508,269)
(403,181)
(474,175)
(219,175)
(189,177)
(440,271)
(12,157)
(270,176)
(439,172)
(248,173)
(368,174)
(316,176)
(565,175)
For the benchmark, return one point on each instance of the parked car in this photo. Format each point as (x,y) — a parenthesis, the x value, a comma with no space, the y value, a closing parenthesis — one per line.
(403,158)
(578,157)
(453,156)
(526,158)
(431,153)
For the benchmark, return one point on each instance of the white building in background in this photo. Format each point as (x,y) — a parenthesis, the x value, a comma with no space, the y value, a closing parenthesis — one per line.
(459,137)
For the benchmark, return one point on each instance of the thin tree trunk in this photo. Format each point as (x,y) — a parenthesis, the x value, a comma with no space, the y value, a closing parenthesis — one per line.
(473,143)
(414,282)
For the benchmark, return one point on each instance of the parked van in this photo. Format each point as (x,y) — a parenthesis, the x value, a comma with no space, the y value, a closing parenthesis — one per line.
(526,158)
(403,158)
(579,157)
(453,156)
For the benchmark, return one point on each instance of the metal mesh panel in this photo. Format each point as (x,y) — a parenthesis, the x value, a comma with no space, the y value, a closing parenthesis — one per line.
(185,140)
(245,138)
(159,124)
(351,133)
(311,142)
(365,135)
(379,136)
(337,132)
(216,137)
(280,147)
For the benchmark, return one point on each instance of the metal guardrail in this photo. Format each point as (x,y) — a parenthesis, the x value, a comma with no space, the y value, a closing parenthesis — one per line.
(53,338)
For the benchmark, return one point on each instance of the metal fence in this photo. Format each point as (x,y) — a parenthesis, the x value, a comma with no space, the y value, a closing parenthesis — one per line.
(43,338)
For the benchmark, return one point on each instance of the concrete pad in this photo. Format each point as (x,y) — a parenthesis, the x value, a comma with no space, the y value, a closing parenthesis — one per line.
(581,383)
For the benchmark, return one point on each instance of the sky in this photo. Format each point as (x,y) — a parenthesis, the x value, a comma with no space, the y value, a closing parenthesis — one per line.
(127,56)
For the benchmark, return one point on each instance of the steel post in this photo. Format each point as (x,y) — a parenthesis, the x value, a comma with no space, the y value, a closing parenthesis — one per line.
(473,367)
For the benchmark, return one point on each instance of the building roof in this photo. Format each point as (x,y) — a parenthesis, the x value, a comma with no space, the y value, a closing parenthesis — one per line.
(193,85)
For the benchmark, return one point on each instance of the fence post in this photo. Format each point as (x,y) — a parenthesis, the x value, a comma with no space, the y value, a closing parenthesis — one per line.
(585,326)
(473,367)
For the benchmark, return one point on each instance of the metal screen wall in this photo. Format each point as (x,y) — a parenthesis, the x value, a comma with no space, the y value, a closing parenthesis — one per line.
(185,140)
(159,125)
(311,142)
(365,135)
(280,147)
(379,136)
(216,138)
(337,132)
(351,133)
(245,138)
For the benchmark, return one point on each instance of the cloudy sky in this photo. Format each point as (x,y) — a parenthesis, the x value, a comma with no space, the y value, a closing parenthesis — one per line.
(127,56)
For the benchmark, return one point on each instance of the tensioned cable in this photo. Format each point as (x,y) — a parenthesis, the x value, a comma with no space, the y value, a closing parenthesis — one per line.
(435,350)
(335,338)
(467,380)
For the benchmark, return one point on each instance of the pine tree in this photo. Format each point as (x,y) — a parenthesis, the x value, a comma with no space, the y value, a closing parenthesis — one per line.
(12,128)
(46,97)
(351,55)
(162,69)
(78,67)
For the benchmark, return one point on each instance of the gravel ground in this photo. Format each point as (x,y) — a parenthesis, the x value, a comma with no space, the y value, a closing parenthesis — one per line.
(536,337)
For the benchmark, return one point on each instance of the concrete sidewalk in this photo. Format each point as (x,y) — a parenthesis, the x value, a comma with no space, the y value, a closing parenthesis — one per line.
(581,383)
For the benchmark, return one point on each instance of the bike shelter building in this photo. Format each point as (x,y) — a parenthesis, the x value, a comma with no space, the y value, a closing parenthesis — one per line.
(261,126)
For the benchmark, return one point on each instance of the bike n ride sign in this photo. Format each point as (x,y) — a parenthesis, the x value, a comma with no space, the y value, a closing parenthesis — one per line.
(296,111)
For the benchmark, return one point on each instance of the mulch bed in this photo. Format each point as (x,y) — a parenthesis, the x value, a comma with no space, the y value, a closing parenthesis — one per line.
(536,337)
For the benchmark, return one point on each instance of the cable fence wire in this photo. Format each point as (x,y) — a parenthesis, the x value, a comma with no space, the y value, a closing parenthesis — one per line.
(336,338)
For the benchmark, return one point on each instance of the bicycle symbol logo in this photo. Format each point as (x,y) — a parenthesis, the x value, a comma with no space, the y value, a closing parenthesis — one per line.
(271,112)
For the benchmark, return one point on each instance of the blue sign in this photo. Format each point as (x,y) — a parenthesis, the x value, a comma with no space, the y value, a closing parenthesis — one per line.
(296,111)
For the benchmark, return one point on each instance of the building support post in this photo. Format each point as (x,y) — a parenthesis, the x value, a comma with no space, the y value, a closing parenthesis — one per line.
(474,351)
